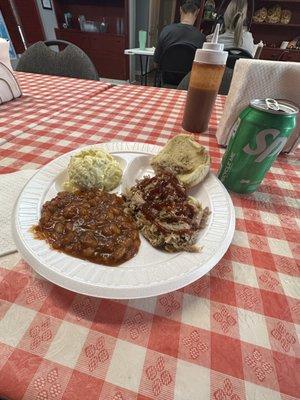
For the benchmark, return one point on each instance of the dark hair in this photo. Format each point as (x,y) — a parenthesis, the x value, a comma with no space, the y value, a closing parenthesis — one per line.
(189,6)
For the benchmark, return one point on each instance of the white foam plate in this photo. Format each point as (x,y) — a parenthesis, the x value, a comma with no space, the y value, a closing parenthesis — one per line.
(151,272)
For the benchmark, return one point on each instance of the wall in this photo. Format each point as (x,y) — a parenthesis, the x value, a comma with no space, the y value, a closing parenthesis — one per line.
(141,23)
(48,20)
(132,20)
(166,14)
(142,18)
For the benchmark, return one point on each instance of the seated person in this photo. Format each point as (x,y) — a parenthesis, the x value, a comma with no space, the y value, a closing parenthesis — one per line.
(184,32)
(236,33)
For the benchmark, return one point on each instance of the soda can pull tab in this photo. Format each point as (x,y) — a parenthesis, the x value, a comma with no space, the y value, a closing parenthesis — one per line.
(272,104)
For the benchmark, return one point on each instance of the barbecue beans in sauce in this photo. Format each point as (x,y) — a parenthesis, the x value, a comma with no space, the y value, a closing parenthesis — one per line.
(91,225)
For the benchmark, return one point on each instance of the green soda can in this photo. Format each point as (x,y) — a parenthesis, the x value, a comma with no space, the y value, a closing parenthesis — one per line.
(257,137)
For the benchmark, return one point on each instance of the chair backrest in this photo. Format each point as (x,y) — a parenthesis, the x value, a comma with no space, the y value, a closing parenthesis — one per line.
(224,86)
(176,62)
(258,51)
(226,81)
(235,53)
(71,61)
(184,84)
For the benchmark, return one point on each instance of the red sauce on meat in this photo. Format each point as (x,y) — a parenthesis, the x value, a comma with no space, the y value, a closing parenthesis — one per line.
(165,192)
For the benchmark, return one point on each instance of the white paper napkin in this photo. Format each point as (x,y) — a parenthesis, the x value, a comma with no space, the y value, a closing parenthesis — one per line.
(4,53)
(10,188)
(259,79)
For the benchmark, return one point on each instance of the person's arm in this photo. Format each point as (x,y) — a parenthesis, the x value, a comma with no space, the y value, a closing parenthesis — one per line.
(159,49)
(248,42)
(208,38)
(158,52)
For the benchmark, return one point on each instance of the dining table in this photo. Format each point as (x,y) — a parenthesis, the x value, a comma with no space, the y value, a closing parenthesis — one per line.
(231,335)
(43,97)
(146,53)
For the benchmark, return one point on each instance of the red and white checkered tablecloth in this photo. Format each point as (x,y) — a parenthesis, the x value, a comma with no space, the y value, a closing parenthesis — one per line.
(57,88)
(131,113)
(232,335)
(43,97)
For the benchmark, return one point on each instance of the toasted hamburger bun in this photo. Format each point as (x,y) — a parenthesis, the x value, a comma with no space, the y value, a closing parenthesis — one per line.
(185,158)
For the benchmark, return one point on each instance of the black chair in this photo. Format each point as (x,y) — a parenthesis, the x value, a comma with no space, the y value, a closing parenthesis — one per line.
(184,84)
(233,55)
(71,61)
(175,63)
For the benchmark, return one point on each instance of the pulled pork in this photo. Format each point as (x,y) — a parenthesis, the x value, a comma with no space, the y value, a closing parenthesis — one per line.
(165,215)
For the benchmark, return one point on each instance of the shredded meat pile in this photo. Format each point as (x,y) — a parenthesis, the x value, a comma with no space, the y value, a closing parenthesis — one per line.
(165,215)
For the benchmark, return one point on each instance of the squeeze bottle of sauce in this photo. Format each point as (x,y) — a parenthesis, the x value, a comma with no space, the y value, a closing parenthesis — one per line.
(206,76)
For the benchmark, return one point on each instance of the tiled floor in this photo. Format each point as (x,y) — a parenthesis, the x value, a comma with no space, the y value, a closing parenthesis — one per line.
(150,81)
(114,81)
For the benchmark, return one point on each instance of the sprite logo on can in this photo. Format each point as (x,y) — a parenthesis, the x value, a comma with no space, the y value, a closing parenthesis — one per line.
(262,150)
(257,138)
